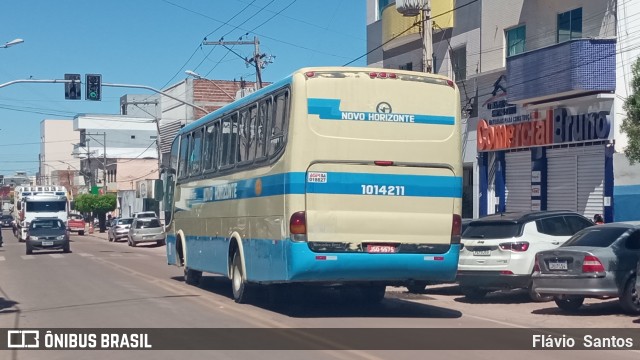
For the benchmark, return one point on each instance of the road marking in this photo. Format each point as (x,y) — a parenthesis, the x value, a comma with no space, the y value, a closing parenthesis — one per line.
(115,254)
(85,254)
(56,256)
(1,258)
(28,257)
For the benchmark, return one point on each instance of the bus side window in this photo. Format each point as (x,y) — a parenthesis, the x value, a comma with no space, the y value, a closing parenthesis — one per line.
(195,152)
(211,146)
(229,141)
(277,127)
(264,119)
(243,135)
(184,153)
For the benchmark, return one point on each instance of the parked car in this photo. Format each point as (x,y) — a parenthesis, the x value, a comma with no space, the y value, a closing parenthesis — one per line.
(119,228)
(46,234)
(597,262)
(6,221)
(146,230)
(499,250)
(76,223)
(144,214)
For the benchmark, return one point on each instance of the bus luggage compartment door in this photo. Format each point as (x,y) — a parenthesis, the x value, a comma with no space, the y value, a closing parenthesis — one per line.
(363,204)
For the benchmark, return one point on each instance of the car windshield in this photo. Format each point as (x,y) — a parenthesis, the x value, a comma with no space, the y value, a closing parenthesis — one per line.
(596,236)
(125,221)
(492,230)
(146,215)
(153,223)
(47,224)
(7,217)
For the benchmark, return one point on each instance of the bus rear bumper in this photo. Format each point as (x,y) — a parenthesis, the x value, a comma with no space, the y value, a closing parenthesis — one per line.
(305,265)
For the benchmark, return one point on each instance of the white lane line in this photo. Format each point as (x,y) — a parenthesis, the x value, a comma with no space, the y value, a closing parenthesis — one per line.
(28,257)
(2,258)
(56,256)
(115,254)
(85,254)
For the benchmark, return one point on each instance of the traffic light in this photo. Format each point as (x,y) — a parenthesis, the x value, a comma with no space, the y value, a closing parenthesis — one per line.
(94,87)
(72,90)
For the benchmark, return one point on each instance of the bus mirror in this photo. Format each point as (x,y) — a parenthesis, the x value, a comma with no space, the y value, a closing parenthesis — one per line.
(158,191)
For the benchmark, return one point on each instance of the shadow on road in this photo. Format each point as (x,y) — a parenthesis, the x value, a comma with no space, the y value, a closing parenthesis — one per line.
(6,305)
(499,297)
(604,308)
(316,302)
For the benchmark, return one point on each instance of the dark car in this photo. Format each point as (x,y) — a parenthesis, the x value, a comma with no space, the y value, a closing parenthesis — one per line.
(47,234)
(6,221)
(597,262)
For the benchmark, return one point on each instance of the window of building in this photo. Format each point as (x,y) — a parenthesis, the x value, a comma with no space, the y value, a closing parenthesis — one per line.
(459,63)
(516,40)
(569,25)
(407,66)
(381,5)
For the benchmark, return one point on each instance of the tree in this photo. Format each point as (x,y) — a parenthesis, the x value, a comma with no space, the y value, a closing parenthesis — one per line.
(98,205)
(631,124)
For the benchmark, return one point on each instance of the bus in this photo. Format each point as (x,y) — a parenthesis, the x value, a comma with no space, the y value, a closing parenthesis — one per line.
(335,176)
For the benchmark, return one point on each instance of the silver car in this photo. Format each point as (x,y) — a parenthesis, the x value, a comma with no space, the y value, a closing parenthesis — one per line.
(146,230)
(598,262)
(119,228)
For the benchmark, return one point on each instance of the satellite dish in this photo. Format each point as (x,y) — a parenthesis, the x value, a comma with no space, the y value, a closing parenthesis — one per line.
(410,7)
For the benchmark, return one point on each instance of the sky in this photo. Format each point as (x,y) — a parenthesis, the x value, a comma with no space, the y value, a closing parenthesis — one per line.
(152,43)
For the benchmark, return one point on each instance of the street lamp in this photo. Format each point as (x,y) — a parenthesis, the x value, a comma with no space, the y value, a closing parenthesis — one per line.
(12,42)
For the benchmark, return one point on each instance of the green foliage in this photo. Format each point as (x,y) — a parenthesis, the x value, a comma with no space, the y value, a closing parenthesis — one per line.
(98,204)
(631,124)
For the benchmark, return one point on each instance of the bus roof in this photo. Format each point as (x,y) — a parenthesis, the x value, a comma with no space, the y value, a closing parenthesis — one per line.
(287,80)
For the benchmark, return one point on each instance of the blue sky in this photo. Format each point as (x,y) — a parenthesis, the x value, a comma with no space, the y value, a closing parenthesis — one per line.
(152,43)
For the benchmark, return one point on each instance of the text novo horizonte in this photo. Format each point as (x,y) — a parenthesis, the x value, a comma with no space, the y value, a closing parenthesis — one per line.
(348,115)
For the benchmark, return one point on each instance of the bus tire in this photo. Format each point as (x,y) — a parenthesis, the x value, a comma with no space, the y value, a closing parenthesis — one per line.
(241,290)
(192,277)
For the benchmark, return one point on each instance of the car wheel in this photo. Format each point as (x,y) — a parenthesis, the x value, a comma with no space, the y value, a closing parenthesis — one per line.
(417,288)
(66,249)
(630,299)
(81,232)
(569,303)
(473,293)
(160,242)
(241,291)
(29,250)
(109,238)
(537,297)
(192,277)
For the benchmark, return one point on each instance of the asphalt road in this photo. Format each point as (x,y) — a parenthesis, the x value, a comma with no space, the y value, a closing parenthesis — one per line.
(110,285)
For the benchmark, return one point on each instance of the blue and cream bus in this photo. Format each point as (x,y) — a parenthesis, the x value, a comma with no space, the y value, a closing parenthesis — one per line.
(332,176)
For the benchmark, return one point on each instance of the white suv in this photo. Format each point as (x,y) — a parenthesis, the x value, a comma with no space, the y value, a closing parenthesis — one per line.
(144,214)
(499,250)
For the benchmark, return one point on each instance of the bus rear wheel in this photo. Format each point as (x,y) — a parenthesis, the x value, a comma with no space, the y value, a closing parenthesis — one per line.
(241,291)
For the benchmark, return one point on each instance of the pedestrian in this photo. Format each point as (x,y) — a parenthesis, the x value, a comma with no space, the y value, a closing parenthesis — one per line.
(597,219)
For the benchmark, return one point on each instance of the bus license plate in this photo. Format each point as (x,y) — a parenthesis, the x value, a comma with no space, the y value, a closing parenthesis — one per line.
(482,253)
(558,265)
(381,249)
(47,243)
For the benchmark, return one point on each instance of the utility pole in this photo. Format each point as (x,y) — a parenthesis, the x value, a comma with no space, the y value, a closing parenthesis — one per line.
(427,33)
(257,57)
(104,157)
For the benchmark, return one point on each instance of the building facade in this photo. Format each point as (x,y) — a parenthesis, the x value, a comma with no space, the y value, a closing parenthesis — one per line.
(57,139)
(542,85)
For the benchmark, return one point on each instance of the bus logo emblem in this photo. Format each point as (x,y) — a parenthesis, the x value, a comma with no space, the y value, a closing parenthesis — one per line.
(383,107)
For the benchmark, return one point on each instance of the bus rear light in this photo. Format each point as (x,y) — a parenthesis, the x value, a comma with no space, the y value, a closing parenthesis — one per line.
(382,75)
(298,226)
(591,264)
(310,74)
(456,229)
(506,272)
(451,83)
(383,163)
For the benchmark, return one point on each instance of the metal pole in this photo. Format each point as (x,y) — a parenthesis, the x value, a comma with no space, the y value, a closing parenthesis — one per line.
(104,158)
(257,62)
(427,32)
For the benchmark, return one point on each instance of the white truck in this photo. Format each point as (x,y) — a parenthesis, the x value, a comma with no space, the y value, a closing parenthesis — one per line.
(38,201)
